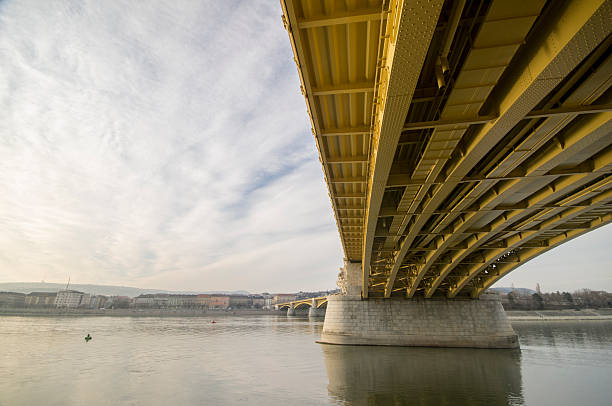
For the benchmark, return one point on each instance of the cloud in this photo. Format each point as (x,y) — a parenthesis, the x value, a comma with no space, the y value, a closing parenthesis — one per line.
(164,144)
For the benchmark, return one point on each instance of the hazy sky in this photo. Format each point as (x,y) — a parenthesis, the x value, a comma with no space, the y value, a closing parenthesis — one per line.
(166,145)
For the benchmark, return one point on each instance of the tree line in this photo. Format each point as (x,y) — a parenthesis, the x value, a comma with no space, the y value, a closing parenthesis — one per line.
(580,299)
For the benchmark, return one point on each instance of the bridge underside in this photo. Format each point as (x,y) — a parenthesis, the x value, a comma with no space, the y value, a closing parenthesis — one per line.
(458,139)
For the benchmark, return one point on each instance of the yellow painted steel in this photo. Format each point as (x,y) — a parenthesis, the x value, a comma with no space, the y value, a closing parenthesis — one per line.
(320,302)
(336,48)
(458,139)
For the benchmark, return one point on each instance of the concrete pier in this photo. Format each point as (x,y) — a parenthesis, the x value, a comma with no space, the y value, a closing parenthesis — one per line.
(299,311)
(291,311)
(475,323)
(316,312)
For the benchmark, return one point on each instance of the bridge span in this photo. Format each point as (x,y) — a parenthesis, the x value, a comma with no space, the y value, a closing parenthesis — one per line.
(458,139)
(316,306)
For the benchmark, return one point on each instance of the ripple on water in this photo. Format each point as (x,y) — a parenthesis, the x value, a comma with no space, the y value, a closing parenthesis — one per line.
(272,360)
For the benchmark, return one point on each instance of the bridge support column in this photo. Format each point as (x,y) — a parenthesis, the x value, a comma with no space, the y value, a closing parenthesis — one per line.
(314,311)
(349,279)
(476,323)
(291,311)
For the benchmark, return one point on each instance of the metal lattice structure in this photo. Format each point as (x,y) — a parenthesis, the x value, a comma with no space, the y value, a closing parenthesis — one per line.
(459,139)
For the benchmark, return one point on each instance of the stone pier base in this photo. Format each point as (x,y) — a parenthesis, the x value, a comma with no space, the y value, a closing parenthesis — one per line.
(478,323)
(316,312)
(301,311)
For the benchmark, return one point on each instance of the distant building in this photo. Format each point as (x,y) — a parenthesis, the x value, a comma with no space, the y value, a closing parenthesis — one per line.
(284,298)
(68,298)
(165,300)
(97,302)
(117,302)
(85,300)
(239,301)
(219,302)
(268,302)
(143,301)
(185,301)
(89,301)
(160,300)
(190,300)
(203,301)
(257,302)
(12,299)
(40,299)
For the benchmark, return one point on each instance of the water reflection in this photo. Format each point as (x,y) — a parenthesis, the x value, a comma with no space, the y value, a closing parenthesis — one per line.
(422,376)
(586,333)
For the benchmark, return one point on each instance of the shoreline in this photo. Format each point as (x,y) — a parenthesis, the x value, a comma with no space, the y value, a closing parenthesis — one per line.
(513,315)
(24,312)
(559,315)
(546,319)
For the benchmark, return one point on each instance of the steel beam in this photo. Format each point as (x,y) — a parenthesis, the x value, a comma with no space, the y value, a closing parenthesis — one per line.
(448,123)
(348,179)
(550,57)
(349,196)
(360,207)
(516,240)
(535,203)
(406,180)
(347,159)
(334,132)
(587,109)
(345,88)
(405,49)
(565,110)
(529,254)
(358,16)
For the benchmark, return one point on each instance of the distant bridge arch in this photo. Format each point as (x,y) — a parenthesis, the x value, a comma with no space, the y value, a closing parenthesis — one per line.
(316,302)
(302,305)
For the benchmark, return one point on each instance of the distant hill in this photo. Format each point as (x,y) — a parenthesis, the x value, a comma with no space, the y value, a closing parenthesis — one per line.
(107,290)
(518,291)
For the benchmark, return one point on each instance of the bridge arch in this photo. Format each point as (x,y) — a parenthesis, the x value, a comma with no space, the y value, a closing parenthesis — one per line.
(479,150)
(479,158)
(302,305)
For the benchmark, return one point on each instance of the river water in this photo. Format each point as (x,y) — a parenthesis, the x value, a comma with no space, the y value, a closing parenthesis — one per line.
(270,360)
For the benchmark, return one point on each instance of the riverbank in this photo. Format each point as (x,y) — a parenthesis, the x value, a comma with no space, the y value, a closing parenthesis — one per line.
(513,315)
(559,315)
(135,312)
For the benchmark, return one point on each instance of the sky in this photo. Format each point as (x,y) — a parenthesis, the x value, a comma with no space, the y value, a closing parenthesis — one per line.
(166,144)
